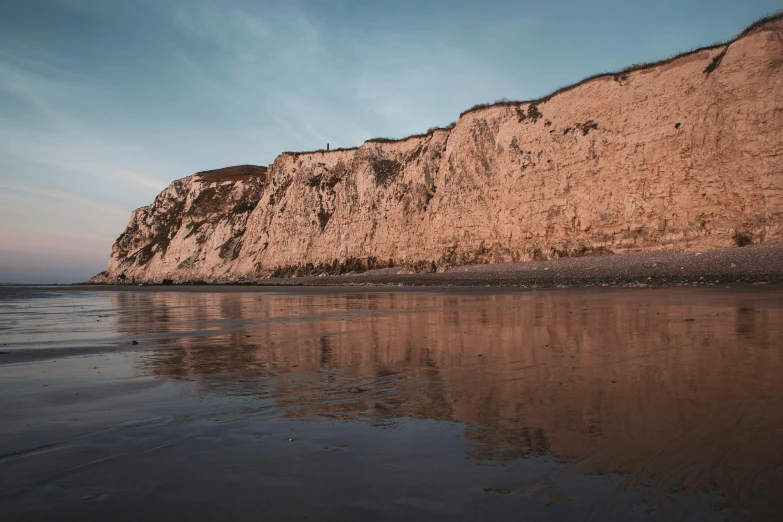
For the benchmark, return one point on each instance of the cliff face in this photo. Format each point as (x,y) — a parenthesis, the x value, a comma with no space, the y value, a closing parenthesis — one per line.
(686,154)
(197,221)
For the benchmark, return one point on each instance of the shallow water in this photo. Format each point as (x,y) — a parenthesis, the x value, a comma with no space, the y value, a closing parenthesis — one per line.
(631,404)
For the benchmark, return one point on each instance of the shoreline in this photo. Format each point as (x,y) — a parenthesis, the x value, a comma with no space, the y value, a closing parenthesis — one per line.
(746,265)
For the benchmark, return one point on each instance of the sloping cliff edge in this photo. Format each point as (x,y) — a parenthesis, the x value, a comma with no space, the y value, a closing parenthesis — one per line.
(685,154)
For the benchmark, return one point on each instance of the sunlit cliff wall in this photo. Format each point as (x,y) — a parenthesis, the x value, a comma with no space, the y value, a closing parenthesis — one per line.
(685,154)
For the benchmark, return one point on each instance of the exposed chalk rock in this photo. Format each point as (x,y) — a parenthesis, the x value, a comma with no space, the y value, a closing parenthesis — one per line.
(685,154)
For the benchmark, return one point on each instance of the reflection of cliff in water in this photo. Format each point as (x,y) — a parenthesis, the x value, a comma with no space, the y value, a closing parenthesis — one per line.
(679,387)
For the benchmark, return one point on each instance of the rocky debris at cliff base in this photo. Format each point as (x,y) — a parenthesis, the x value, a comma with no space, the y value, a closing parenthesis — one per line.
(648,269)
(754,264)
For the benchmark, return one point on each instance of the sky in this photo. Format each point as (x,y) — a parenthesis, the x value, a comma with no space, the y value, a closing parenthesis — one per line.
(104,102)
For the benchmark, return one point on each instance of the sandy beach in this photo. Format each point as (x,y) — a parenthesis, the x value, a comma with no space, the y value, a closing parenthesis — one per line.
(752,264)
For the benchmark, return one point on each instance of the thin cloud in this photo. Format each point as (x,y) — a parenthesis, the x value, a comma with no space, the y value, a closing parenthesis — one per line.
(65,196)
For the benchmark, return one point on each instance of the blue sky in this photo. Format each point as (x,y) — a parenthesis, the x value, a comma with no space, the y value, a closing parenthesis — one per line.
(104,102)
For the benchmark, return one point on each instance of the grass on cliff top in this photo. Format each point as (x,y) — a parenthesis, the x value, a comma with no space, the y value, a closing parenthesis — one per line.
(636,67)
(236,173)
(430,131)
(616,75)
(339,149)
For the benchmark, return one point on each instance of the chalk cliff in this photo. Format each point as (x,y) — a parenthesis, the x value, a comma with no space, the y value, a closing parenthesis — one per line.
(683,154)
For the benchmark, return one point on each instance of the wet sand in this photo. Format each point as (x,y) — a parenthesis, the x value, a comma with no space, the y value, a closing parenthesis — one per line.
(357,404)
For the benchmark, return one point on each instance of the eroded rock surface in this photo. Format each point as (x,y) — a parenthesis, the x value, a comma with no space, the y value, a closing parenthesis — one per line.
(686,154)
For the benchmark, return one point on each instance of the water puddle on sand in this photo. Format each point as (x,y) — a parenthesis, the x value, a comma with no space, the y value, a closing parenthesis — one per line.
(356,405)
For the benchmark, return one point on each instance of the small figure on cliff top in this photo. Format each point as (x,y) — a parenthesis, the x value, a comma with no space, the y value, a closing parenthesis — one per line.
(327,147)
